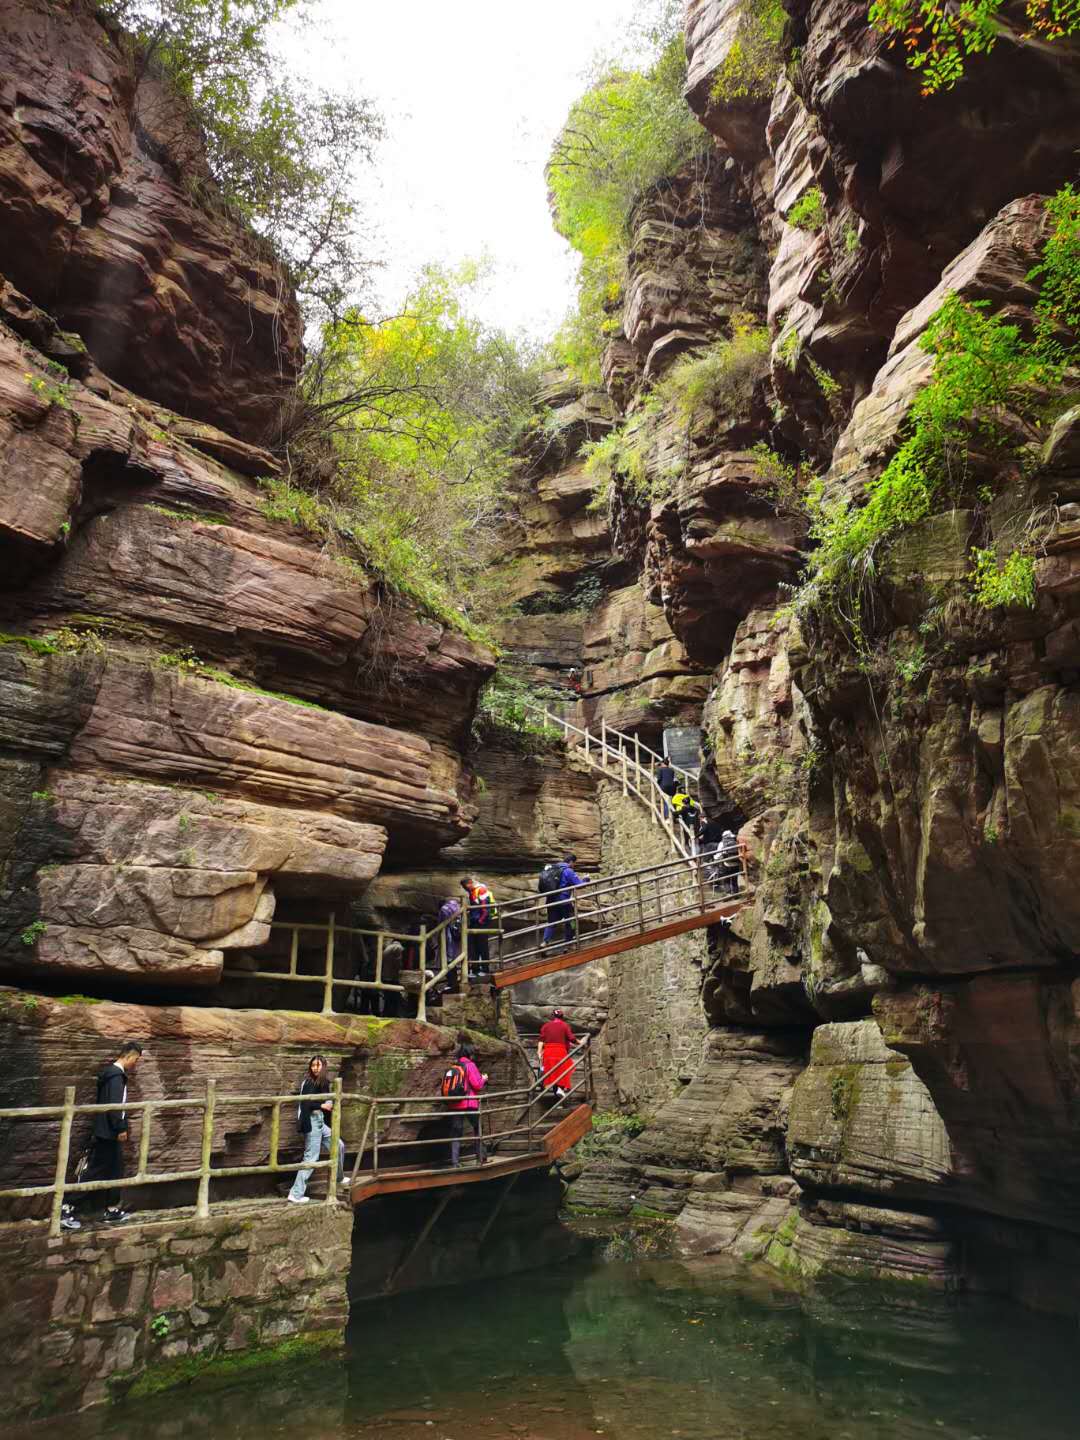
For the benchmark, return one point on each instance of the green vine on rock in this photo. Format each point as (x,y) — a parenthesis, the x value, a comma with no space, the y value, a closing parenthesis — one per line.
(940,35)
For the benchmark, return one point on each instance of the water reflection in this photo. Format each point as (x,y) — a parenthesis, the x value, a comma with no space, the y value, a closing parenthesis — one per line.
(649,1349)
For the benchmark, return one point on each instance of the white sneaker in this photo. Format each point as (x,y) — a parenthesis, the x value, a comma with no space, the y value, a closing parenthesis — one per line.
(299,1199)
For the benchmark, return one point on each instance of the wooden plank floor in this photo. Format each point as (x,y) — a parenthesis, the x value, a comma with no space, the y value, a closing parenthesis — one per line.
(557,1141)
(549,964)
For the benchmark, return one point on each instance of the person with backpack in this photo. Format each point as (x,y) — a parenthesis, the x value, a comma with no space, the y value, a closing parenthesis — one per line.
(686,809)
(108,1134)
(557,884)
(553,1052)
(313,1122)
(461,1086)
(666,782)
(730,863)
(450,915)
(483,915)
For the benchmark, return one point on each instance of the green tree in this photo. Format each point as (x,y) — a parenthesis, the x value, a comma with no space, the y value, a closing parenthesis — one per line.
(280,157)
(630,130)
(404,428)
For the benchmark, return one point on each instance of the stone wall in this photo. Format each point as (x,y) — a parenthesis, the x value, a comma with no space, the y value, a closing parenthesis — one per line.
(139,1308)
(656,1027)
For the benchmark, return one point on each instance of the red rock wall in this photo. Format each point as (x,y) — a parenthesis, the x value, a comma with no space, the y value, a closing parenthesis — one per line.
(101,231)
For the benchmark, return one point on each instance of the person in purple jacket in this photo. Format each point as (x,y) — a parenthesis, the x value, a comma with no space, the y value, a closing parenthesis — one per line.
(560,903)
(468,1107)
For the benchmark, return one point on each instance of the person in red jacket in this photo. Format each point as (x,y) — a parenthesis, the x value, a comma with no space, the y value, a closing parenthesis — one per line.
(553,1052)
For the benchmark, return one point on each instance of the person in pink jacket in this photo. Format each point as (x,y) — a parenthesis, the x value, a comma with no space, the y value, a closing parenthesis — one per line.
(467,1108)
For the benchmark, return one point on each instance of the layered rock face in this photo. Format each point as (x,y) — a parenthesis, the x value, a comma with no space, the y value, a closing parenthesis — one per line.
(907,818)
(908,814)
(99,228)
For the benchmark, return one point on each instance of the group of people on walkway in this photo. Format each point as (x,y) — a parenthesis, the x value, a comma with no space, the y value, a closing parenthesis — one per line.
(710,837)
(103,1156)
(462,1085)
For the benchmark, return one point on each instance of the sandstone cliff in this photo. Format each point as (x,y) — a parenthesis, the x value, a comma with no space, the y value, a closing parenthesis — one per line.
(910,817)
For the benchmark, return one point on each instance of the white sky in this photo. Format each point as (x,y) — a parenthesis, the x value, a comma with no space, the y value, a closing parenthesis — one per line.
(473,93)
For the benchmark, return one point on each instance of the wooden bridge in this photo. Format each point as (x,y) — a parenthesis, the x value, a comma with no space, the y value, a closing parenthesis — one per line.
(524,1128)
(605,916)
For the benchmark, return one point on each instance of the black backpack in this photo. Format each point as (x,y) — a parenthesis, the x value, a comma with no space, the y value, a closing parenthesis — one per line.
(551,878)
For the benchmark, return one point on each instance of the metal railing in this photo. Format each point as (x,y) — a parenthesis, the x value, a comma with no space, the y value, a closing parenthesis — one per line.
(530,1117)
(211,1106)
(628,761)
(633,901)
(210,1103)
(612,908)
(432,942)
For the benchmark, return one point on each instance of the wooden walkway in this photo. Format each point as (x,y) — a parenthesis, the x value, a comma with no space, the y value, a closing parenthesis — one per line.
(549,964)
(556,1142)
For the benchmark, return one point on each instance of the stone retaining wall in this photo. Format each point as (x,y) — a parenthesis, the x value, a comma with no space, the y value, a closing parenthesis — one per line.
(138,1308)
(656,1027)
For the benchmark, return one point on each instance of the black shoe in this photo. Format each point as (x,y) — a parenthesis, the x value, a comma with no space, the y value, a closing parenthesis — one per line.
(116,1216)
(68,1219)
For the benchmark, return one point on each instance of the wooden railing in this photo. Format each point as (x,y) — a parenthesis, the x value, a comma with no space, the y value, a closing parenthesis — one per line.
(634,901)
(383,1114)
(630,763)
(618,906)
(522,1104)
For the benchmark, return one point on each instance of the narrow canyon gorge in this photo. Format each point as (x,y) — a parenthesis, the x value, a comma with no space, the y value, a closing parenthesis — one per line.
(215,727)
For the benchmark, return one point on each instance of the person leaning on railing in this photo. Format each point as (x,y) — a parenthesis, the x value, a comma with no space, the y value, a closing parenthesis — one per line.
(313,1122)
(110,1131)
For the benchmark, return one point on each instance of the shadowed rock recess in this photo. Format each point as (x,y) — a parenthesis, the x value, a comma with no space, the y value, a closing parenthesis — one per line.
(208,724)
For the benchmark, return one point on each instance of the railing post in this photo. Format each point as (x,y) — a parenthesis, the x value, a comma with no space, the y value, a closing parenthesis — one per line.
(464,969)
(603,740)
(202,1205)
(421,999)
(640,907)
(699,861)
(375,1136)
(144,1139)
(275,1133)
(63,1150)
(294,950)
(625,788)
(328,987)
(637,753)
(335,1136)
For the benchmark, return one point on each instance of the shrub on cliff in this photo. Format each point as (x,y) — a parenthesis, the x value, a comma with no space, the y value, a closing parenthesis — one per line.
(278,156)
(989,378)
(751,67)
(629,131)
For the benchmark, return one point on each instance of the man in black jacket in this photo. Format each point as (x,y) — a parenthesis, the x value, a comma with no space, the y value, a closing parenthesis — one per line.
(111,1130)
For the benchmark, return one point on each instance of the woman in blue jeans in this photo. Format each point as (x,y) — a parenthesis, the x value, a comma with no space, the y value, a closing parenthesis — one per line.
(313,1122)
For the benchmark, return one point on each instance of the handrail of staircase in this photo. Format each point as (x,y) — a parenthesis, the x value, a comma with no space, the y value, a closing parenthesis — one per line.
(630,765)
(212,1110)
(695,880)
(632,903)
(434,1108)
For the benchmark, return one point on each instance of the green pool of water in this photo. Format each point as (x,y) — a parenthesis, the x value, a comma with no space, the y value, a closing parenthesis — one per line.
(645,1349)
